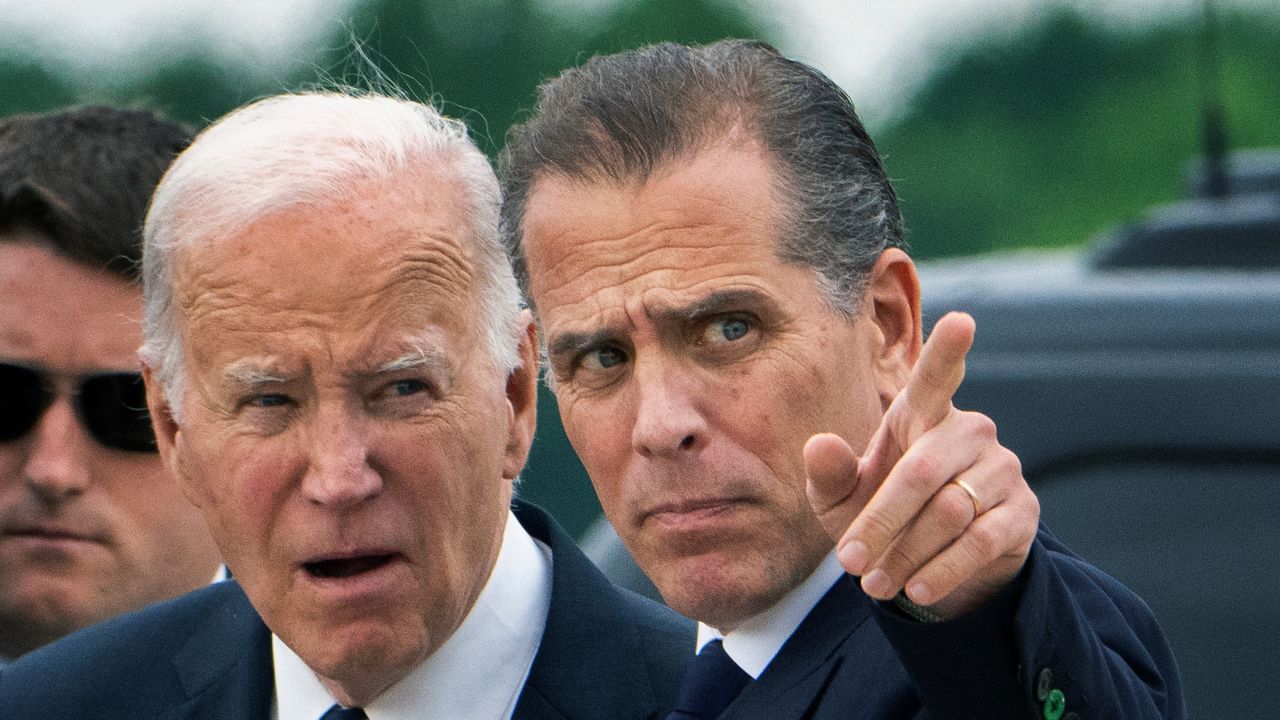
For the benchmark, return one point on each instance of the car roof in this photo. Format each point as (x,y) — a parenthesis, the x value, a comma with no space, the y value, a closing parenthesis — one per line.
(1135,360)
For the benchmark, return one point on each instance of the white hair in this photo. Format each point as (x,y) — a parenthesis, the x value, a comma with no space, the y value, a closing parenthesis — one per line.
(312,149)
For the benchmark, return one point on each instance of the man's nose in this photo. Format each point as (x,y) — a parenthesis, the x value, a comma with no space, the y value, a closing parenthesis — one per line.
(58,459)
(668,421)
(339,473)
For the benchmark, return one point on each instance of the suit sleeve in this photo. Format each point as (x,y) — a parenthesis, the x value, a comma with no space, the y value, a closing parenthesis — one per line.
(1063,641)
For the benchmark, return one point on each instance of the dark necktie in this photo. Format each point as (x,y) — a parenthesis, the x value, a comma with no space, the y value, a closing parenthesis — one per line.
(337,712)
(710,684)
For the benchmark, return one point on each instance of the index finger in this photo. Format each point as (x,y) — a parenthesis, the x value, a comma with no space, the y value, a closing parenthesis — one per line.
(926,399)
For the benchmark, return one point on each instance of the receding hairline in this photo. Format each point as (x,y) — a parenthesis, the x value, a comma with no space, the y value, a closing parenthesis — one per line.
(417,215)
(734,136)
(446,173)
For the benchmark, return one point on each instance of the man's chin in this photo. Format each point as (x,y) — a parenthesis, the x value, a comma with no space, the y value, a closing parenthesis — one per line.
(361,658)
(715,588)
(32,619)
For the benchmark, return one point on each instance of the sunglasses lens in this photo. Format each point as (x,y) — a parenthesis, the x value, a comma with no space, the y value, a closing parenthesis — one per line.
(22,400)
(115,411)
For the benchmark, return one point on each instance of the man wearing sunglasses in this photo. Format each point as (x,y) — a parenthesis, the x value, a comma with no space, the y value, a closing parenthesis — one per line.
(91,523)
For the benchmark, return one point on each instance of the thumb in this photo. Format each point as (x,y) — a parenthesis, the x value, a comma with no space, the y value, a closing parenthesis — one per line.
(831,469)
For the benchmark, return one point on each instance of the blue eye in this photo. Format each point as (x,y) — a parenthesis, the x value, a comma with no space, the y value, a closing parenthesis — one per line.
(734,329)
(270,400)
(726,330)
(603,358)
(404,388)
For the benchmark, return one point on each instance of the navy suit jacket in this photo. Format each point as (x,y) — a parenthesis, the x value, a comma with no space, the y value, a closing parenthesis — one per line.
(207,655)
(1062,625)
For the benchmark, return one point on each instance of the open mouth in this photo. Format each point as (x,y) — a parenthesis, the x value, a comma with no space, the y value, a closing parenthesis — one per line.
(346,567)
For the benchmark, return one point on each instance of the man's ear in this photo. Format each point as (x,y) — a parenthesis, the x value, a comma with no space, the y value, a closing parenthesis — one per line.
(168,434)
(522,400)
(892,300)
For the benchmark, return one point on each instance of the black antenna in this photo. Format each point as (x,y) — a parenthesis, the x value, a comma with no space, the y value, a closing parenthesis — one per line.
(1212,116)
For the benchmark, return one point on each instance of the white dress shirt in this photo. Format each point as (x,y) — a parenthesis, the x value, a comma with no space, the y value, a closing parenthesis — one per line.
(754,643)
(479,671)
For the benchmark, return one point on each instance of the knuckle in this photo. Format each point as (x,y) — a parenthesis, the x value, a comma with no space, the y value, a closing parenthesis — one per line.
(945,575)
(876,528)
(1026,532)
(822,501)
(921,471)
(954,508)
(1009,462)
(984,539)
(899,561)
(931,373)
(981,426)
(1033,510)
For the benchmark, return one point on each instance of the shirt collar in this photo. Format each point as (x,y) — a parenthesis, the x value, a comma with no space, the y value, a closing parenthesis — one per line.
(506,622)
(754,643)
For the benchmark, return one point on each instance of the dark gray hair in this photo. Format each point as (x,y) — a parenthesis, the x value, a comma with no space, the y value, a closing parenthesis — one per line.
(81,177)
(619,117)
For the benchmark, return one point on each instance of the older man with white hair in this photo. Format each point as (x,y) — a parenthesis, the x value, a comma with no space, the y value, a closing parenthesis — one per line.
(343,381)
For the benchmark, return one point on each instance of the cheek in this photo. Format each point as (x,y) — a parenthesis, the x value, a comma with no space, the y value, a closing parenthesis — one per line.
(142,490)
(238,483)
(600,434)
(829,388)
(12,458)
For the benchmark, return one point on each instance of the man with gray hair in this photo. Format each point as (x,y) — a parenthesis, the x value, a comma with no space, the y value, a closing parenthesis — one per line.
(714,255)
(342,379)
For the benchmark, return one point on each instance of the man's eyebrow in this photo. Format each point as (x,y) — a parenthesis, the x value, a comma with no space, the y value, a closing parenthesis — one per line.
(713,303)
(421,356)
(253,372)
(574,343)
(571,344)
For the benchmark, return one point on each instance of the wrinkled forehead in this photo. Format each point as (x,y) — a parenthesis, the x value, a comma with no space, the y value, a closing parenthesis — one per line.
(710,219)
(388,251)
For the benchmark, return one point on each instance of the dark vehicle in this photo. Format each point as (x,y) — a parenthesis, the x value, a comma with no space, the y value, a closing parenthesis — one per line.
(1139,383)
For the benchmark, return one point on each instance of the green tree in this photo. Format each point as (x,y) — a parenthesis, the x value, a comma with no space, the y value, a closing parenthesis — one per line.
(27,86)
(1046,140)
(485,58)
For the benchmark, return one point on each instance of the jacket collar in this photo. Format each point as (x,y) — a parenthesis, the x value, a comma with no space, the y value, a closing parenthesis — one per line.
(588,612)
(225,665)
(799,674)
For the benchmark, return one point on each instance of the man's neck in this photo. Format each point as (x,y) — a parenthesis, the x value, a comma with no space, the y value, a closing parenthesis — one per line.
(754,642)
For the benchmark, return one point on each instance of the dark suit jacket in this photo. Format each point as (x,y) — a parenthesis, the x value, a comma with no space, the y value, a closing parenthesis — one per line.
(207,656)
(855,658)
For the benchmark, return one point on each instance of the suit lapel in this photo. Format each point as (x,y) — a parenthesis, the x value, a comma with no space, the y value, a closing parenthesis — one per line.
(588,619)
(799,675)
(225,667)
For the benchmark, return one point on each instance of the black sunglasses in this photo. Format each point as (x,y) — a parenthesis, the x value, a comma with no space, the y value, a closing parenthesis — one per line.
(112,406)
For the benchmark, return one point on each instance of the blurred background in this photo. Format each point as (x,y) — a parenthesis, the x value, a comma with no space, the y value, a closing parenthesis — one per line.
(1005,123)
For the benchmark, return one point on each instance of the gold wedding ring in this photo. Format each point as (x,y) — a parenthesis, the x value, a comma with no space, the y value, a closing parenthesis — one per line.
(977,505)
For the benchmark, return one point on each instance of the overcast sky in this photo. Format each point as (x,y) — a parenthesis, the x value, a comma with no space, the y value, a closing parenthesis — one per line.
(878,50)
